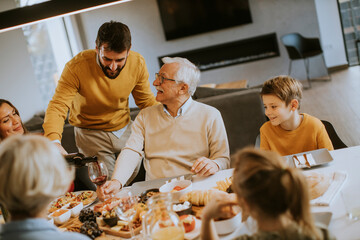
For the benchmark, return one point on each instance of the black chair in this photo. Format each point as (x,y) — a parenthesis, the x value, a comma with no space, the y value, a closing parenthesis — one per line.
(299,47)
(335,139)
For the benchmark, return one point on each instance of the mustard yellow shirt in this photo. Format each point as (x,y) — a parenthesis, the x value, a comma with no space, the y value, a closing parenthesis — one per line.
(96,101)
(310,135)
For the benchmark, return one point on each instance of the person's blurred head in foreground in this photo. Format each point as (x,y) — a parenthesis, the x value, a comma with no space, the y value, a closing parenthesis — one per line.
(268,189)
(10,121)
(32,174)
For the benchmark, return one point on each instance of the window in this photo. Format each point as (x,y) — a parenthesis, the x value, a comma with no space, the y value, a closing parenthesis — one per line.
(350,18)
(51,44)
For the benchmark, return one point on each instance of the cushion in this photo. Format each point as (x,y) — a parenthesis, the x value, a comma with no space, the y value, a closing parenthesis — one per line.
(243,115)
(204,92)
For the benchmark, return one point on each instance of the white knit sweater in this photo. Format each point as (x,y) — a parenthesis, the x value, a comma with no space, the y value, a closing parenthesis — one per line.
(171,145)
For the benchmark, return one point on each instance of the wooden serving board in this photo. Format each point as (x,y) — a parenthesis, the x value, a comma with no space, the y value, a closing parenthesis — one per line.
(197,210)
(123,234)
(74,223)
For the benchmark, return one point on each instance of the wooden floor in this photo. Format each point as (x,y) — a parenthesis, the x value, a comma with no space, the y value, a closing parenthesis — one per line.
(337,101)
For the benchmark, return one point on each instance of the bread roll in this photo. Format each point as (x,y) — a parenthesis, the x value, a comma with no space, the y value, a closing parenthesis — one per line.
(200,197)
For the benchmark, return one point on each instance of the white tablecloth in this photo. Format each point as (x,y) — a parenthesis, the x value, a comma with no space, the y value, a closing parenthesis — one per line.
(345,160)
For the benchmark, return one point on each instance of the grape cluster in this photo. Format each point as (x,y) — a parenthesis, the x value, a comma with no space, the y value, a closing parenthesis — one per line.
(88,214)
(91,229)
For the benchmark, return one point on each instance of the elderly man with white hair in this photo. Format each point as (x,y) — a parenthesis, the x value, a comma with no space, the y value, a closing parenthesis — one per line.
(178,137)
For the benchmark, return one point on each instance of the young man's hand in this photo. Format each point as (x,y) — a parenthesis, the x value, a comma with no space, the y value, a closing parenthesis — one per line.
(61,149)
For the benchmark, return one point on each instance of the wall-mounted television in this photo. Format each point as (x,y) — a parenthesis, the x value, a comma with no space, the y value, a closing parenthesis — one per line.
(181,18)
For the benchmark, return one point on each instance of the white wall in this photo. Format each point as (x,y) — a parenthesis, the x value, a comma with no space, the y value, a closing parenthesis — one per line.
(17,77)
(331,33)
(280,16)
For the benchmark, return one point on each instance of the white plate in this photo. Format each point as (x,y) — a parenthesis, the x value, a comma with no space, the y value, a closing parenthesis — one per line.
(88,202)
(196,232)
(92,198)
(322,218)
(321,156)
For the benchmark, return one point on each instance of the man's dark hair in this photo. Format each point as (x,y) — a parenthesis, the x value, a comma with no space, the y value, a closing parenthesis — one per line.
(116,35)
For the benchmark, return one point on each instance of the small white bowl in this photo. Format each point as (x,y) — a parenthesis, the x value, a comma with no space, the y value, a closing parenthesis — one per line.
(228,225)
(63,218)
(182,208)
(75,211)
(168,187)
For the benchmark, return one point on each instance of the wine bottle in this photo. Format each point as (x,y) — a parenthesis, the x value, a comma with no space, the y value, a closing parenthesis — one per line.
(79,159)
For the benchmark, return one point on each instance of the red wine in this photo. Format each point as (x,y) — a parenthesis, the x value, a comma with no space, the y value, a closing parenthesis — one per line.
(100,180)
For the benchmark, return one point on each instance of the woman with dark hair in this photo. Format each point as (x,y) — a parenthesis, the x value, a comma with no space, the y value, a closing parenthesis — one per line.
(274,195)
(10,121)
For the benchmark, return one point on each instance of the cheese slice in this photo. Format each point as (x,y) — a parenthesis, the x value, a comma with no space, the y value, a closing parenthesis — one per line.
(116,228)
(122,223)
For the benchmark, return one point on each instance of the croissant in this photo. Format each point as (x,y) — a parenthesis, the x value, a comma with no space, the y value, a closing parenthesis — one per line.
(200,197)
(223,185)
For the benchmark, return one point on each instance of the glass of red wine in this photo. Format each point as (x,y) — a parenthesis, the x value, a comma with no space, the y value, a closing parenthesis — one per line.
(98,172)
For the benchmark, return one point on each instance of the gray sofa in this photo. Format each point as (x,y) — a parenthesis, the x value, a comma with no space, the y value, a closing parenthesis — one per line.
(241,109)
(243,115)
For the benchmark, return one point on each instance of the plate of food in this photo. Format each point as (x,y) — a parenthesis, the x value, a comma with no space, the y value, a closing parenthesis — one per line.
(111,224)
(107,205)
(192,226)
(144,196)
(309,159)
(86,197)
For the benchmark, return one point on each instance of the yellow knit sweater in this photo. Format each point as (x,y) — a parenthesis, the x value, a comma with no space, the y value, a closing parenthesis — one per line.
(310,135)
(96,101)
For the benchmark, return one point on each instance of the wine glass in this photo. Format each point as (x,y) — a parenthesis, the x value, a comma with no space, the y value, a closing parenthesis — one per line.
(98,172)
(126,210)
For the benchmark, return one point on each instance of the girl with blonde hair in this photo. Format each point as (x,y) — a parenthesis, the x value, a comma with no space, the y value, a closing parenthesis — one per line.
(32,174)
(274,195)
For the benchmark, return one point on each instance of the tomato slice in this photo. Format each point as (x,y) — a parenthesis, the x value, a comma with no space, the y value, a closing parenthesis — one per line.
(188,222)
(178,188)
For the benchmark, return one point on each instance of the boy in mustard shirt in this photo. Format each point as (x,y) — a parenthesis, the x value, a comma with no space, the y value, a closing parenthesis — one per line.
(289,132)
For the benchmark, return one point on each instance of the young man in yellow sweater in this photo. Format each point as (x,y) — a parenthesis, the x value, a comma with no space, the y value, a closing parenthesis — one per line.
(289,132)
(95,86)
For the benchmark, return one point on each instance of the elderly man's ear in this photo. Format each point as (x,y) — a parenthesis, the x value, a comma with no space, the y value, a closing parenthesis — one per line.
(184,88)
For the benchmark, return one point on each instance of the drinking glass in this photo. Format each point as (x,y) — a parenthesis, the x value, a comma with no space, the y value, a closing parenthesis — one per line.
(98,173)
(126,210)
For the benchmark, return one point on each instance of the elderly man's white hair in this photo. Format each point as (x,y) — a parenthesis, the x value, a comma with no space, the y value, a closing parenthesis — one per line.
(187,73)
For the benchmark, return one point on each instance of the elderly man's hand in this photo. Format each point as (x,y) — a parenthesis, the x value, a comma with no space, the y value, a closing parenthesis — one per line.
(204,167)
(109,189)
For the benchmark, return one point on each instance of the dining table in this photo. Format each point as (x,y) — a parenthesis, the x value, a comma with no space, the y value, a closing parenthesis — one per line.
(346,160)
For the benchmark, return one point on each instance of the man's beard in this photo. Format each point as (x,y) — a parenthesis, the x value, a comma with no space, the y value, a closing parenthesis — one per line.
(116,73)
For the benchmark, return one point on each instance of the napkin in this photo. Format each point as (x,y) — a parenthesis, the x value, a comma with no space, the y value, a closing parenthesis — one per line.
(337,180)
